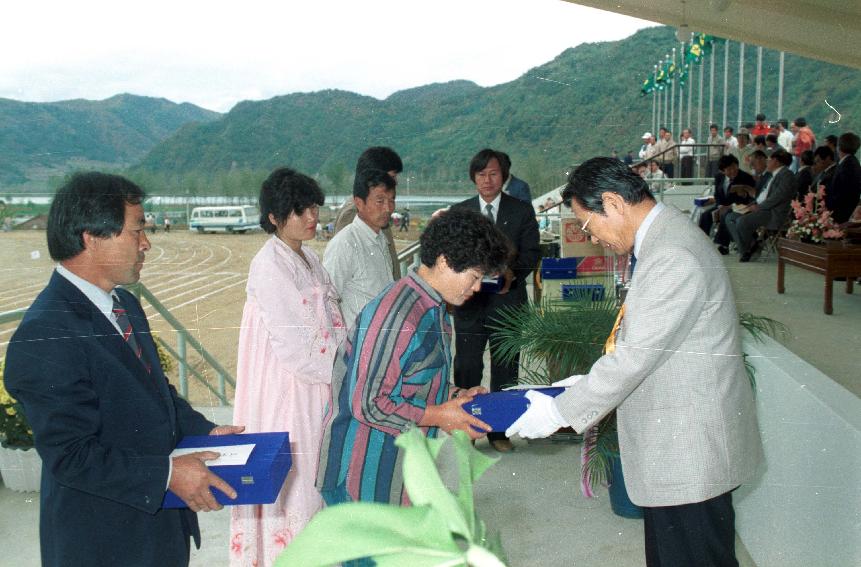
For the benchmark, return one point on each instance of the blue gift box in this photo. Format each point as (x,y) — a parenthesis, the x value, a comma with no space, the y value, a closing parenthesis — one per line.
(258,481)
(595,292)
(702,201)
(558,268)
(500,409)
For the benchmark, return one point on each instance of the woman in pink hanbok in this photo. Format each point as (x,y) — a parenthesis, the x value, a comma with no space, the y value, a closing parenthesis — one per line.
(291,328)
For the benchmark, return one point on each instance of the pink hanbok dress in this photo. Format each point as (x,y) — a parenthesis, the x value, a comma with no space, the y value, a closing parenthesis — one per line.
(291,329)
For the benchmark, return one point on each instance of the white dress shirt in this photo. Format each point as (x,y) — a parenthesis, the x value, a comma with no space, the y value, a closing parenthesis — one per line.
(103,300)
(359,263)
(493,204)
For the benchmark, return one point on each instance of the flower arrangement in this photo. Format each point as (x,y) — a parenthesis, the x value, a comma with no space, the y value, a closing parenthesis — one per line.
(813,222)
(14,429)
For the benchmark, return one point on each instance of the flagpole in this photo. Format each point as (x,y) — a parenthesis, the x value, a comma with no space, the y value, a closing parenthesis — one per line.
(672,89)
(724,123)
(758,77)
(654,98)
(667,98)
(780,87)
(660,100)
(690,98)
(702,129)
(740,80)
(712,86)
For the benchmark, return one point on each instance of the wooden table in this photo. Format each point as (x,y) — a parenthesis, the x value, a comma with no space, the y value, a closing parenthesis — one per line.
(834,259)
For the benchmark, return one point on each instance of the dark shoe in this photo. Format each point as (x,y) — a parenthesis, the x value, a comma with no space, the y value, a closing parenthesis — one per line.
(745,257)
(755,251)
(723,250)
(502,445)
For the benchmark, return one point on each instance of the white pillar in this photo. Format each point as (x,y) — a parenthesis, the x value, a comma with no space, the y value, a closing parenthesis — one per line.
(740,81)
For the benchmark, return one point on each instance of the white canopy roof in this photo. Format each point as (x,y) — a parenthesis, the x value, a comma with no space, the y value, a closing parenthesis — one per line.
(828,30)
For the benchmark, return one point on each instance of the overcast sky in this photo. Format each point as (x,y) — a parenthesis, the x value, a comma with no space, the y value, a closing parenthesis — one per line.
(217,53)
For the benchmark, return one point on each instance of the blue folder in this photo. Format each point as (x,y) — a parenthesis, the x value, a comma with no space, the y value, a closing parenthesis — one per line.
(258,481)
(500,409)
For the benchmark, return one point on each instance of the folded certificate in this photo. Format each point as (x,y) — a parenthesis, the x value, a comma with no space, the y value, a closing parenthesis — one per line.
(254,464)
(500,409)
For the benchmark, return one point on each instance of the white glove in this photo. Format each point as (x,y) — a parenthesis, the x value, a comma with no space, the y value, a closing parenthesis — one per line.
(570,381)
(540,419)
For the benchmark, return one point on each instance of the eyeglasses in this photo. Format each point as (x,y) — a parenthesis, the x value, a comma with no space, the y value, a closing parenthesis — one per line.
(583,228)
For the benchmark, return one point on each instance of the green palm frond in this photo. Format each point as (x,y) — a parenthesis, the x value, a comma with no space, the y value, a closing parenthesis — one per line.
(554,339)
(759,326)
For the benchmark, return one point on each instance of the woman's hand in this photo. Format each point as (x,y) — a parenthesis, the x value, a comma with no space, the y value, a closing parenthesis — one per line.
(450,415)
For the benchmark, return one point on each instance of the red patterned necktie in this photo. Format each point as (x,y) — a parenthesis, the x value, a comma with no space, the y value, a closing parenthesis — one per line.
(126,329)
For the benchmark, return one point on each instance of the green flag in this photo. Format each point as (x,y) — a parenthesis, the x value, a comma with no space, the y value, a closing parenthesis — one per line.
(683,75)
(648,85)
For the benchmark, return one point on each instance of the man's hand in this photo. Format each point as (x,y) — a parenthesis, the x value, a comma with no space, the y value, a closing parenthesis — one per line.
(190,480)
(540,419)
(227,430)
(471,392)
(451,415)
(509,277)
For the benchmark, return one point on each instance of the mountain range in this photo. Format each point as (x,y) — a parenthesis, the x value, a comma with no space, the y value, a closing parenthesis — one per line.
(584,102)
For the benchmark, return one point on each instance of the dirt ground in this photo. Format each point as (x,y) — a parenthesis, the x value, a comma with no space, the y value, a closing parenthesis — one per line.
(200,278)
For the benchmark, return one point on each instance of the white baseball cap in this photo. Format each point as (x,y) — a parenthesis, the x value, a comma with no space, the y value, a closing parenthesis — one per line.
(647,135)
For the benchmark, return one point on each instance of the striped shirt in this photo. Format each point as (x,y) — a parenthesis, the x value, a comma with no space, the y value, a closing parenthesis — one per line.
(394,363)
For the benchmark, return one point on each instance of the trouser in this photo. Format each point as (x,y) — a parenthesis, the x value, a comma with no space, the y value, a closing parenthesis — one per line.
(667,168)
(706,219)
(471,338)
(712,168)
(746,228)
(700,534)
(687,166)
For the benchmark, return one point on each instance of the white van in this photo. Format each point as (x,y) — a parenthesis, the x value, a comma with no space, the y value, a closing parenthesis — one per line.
(233,218)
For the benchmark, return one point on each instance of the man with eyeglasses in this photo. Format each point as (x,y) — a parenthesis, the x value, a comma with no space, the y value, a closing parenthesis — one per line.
(686,415)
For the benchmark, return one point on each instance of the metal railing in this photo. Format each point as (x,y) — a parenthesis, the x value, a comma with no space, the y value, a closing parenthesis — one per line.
(409,257)
(10,316)
(184,339)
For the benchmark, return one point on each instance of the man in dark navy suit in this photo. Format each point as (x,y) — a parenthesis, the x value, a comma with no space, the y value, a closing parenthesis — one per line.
(104,417)
(516,220)
(514,186)
(842,196)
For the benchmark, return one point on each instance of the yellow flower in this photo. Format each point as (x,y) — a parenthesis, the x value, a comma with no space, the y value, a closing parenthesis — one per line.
(10,411)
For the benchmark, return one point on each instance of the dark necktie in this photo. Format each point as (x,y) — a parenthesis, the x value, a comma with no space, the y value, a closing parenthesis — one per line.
(488,212)
(633,263)
(126,329)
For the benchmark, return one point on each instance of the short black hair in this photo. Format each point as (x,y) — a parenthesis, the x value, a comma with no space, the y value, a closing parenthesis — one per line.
(91,202)
(467,239)
(726,161)
(482,159)
(600,175)
(715,126)
(728,128)
(824,152)
(781,155)
(760,117)
(759,140)
(771,138)
(377,157)
(806,157)
(831,139)
(848,143)
(758,154)
(380,157)
(367,179)
(783,122)
(801,122)
(285,192)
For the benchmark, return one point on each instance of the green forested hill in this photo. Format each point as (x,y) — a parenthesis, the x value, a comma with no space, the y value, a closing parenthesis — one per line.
(585,102)
(41,139)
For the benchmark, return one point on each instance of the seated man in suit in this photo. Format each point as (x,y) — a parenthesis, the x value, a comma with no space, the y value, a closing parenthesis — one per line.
(845,190)
(823,168)
(771,209)
(516,220)
(104,416)
(728,177)
(673,372)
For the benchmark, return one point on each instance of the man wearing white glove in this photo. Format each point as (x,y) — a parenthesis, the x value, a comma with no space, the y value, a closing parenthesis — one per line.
(688,434)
